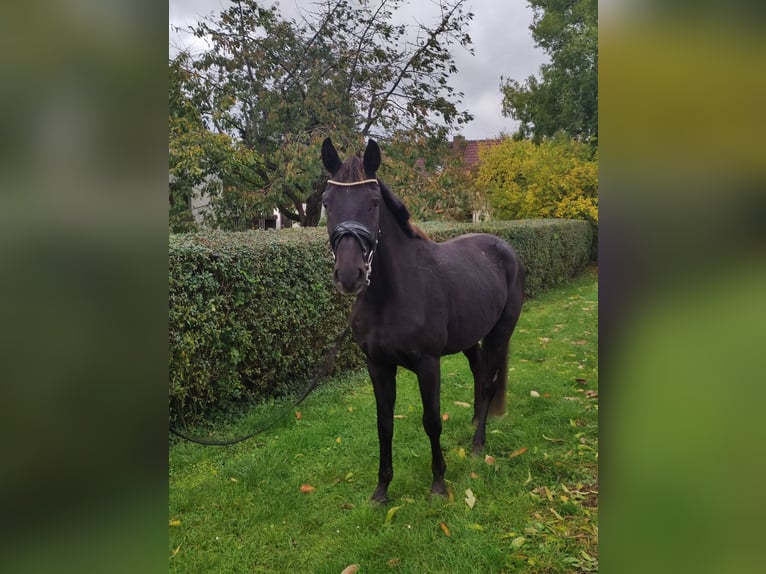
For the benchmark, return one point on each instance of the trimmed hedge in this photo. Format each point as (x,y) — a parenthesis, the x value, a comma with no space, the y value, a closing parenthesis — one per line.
(254,313)
(250,312)
(552,250)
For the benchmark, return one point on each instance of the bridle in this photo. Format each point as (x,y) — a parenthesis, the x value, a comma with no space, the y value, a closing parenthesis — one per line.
(367,241)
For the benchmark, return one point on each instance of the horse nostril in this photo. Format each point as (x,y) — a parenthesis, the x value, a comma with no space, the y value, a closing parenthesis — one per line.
(360,273)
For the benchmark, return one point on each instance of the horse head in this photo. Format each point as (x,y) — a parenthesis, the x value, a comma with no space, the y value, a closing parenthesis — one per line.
(352,200)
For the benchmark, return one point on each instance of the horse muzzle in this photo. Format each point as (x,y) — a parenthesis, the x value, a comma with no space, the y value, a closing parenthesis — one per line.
(352,273)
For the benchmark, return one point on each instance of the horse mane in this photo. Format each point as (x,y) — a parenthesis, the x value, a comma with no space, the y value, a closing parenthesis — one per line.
(400,212)
(351,170)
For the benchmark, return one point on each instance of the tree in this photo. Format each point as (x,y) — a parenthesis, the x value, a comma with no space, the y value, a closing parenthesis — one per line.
(556,178)
(566,95)
(281,86)
(203,161)
(431,178)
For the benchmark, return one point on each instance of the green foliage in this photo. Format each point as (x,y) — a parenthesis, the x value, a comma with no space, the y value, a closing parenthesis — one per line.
(556,178)
(279,86)
(430,178)
(566,95)
(205,161)
(253,314)
(552,250)
(250,314)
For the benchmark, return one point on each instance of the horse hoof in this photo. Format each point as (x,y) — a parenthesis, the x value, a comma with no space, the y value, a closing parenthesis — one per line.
(438,490)
(381,497)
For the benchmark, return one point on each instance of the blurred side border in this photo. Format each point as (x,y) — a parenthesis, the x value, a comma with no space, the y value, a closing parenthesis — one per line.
(83,288)
(682,284)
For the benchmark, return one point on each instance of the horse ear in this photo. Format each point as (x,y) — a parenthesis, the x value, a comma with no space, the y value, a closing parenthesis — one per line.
(371,158)
(330,157)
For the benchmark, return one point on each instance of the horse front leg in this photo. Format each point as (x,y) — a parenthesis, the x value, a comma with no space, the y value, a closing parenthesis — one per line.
(429,380)
(383,378)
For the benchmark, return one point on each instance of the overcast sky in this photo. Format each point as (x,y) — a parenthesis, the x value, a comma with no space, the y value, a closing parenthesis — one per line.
(501,37)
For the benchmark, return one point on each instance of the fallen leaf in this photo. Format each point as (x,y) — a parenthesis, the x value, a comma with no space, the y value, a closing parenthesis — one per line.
(474,475)
(518,452)
(393,562)
(338,440)
(547,395)
(591,394)
(350,569)
(544,339)
(461,452)
(175,522)
(581,381)
(476,527)
(390,515)
(557,515)
(347,506)
(174,552)
(307,488)
(462,404)
(444,528)
(580,342)
(553,439)
(445,417)
(518,542)
(231,478)
(534,394)
(298,415)
(400,416)
(470,499)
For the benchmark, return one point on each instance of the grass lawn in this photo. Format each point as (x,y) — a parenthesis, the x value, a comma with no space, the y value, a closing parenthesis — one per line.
(296,499)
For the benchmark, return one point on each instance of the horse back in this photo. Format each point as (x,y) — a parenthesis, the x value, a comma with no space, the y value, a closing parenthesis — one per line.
(484,278)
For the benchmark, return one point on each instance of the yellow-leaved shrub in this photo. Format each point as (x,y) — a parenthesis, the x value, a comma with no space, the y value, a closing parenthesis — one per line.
(556,178)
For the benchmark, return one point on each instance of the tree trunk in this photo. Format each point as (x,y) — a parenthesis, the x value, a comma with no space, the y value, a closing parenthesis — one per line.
(313,209)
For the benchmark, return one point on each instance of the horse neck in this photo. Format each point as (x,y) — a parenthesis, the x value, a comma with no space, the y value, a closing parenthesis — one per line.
(392,261)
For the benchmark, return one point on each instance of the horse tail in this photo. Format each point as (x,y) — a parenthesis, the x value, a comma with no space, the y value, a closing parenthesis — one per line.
(511,316)
(497,403)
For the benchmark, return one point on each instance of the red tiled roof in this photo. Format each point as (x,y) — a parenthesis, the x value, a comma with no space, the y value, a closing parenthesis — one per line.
(471,148)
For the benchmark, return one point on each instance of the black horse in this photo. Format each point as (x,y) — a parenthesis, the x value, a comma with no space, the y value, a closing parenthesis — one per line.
(417,300)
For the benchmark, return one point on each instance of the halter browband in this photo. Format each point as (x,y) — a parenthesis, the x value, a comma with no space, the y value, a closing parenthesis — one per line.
(351,183)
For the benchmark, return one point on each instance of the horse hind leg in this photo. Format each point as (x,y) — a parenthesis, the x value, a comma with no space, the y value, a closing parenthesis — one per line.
(491,389)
